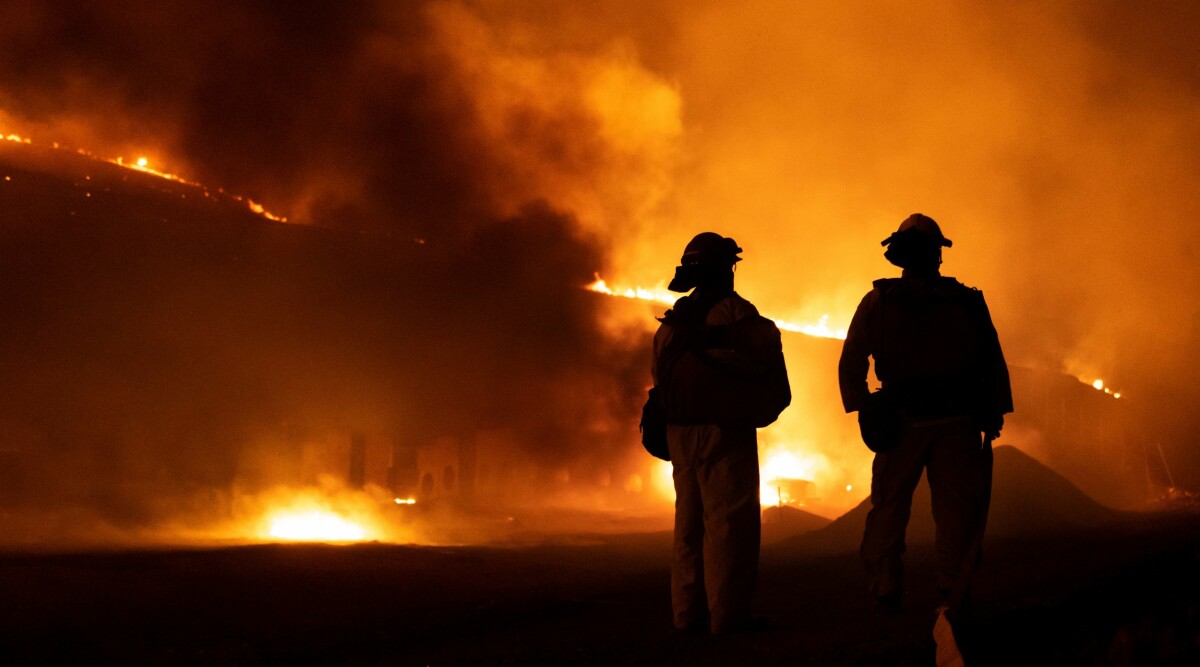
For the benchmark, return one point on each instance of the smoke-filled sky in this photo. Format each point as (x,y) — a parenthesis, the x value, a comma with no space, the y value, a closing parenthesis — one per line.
(1056,143)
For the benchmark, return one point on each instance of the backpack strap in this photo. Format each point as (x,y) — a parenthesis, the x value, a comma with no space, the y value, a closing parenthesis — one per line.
(686,319)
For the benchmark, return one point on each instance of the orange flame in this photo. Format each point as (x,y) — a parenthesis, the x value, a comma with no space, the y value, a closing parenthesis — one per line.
(314,526)
(659,294)
(1098,385)
(328,514)
(782,465)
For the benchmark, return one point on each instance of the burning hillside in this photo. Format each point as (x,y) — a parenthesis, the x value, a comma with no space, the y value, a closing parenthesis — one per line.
(41,159)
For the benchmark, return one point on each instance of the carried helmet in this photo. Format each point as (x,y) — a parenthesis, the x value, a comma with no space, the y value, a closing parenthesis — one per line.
(919,226)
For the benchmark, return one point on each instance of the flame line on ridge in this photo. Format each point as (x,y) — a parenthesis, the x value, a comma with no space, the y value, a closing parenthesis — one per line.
(820,329)
(142,165)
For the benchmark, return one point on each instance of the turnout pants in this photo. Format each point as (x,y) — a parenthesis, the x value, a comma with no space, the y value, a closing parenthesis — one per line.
(959,464)
(717,529)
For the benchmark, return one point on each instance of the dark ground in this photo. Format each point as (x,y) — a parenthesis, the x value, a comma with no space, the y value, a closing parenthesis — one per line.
(1125,595)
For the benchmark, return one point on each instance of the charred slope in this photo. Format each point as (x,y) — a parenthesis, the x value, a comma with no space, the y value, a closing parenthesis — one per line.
(1028,500)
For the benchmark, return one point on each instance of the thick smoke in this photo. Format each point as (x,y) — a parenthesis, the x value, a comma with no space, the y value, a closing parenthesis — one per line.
(1057,146)
(409,118)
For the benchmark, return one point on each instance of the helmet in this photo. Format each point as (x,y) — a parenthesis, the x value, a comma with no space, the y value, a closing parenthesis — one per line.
(706,255)
(711,248)
(919,227)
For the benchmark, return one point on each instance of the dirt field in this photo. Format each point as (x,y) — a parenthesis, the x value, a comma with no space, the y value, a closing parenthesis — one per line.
(1127,595)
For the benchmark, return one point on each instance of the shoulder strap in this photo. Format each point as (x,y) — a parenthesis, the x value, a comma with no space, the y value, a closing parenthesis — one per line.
(684,329)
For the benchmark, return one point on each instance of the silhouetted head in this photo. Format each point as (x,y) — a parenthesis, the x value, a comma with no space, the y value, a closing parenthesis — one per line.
(707,262)
(917,244)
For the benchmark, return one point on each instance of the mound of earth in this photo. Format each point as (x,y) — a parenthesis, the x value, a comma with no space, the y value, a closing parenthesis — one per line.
(1028,499)
(782,522)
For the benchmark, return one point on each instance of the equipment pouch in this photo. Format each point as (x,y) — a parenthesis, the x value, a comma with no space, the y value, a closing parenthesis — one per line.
(654,425)
(881,423)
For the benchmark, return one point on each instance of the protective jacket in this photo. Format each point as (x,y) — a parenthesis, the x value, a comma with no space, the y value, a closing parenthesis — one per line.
(935,348)
(938,357)
(720,363)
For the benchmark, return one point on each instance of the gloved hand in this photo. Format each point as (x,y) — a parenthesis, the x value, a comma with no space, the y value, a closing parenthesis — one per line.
(991,426)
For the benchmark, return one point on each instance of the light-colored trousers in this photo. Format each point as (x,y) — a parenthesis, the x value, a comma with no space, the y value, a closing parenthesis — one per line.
(717,524)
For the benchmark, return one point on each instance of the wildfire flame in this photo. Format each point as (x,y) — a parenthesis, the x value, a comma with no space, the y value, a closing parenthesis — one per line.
(327,512)
(780,468)
(661,295)
(142,164)
(314,526)
(1098,385)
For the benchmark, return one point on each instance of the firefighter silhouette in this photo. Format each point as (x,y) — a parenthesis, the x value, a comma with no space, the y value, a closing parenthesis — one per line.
(945,391)
(720,368)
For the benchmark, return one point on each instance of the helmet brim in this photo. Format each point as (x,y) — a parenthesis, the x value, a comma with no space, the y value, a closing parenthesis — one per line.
(941,241)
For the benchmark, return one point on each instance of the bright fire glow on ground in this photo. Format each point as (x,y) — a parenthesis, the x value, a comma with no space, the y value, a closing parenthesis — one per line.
(661,295)
(314,526)
(780,471)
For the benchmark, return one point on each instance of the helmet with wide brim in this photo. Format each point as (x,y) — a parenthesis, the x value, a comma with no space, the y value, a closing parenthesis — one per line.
(919,227)
(705,252)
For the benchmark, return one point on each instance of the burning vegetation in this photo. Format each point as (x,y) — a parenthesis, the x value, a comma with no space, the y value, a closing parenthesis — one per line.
(142,164)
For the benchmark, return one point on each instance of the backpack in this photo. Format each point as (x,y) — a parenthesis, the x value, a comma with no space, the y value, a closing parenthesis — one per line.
(687,317)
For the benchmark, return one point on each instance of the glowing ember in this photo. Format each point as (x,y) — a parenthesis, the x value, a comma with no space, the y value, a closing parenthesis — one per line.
(257,208)
(406,501)
(1098,385)
(315,526)
(664,296)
